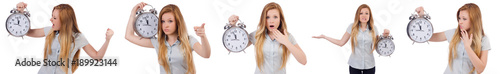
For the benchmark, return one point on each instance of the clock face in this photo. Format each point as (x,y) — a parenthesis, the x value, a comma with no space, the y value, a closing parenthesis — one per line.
(146,25)
(385,47)
(17,24)
(235,39)
(420,30)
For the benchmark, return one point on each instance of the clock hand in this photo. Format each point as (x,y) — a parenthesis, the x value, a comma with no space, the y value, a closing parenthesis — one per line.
(234,35)
(420,26)
(147,22)
(385,45)
(17,22)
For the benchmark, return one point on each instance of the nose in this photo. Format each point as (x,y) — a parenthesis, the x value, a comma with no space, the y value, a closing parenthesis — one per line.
(460,22)
(165,25)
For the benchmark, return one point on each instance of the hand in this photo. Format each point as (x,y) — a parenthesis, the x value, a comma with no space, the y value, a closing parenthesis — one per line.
(200,30)
(466,38)
(386,32)
(319,37)
(233,19)
(109,34)
(21,6)
(138,6)
(420,10)
(281,38)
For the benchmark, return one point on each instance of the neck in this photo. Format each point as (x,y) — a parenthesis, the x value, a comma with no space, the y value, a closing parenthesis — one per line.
(363,25)
(172,37)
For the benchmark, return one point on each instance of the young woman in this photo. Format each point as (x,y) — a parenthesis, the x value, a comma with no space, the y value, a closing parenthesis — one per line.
(469,45)
(363,35)
(173,45)
(63,40)
(273,43)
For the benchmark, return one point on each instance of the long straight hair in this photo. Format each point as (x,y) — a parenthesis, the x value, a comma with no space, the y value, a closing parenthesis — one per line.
(183,37)
(356,27)
(261,35)
(476,29)
(66,38)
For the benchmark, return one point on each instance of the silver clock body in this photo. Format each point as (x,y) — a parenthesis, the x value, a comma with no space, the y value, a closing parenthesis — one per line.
(18,23)
(385,46)
(235,38)
(146,23)
(419,29)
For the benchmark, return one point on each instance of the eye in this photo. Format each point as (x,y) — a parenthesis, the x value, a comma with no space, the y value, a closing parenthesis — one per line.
(162,21)
(170,21)
(275,16)
(267,17)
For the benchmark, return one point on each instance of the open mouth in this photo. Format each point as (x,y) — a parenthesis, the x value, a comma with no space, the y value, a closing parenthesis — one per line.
(271,26)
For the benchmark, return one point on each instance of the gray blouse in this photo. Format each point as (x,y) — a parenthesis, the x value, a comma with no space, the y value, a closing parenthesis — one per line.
(175,55)
(462,64)
(80,41)
(362,57)
(272,55)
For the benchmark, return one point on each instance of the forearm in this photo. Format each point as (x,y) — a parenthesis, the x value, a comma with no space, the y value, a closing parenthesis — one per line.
(297,52)
(205,46)
(130,31)
(102,51)
(335,41)
(476,61)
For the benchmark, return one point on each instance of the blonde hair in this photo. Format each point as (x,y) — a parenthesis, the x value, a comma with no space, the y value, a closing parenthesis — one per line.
(183,38)
(476,29)
(355,28)
(260,35)
(66,39)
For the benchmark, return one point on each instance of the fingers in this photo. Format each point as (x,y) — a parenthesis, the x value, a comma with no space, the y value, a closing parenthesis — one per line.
(470,38)
(203,25)
(196,28)
(141,5)
(200,30)
(320,36)
(420,10)
(109,33)
(21,5)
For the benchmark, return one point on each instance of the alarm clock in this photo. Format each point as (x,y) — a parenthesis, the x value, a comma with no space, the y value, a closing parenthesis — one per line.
(18,23)
(385,46)
(420,29)
(235,38)
(146,23)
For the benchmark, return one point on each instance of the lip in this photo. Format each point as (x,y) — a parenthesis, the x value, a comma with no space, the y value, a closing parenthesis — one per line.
(271,26)
(166,30)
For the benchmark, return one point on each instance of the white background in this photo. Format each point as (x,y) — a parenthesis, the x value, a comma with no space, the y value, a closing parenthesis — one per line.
(305,18)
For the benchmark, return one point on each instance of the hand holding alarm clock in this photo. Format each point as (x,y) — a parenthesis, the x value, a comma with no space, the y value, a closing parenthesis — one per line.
(235,38)
(420,29)
(18,23)
(385,46)
(146,22)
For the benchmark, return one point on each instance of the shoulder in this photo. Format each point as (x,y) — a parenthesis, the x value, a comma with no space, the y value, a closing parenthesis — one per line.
(449,34)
